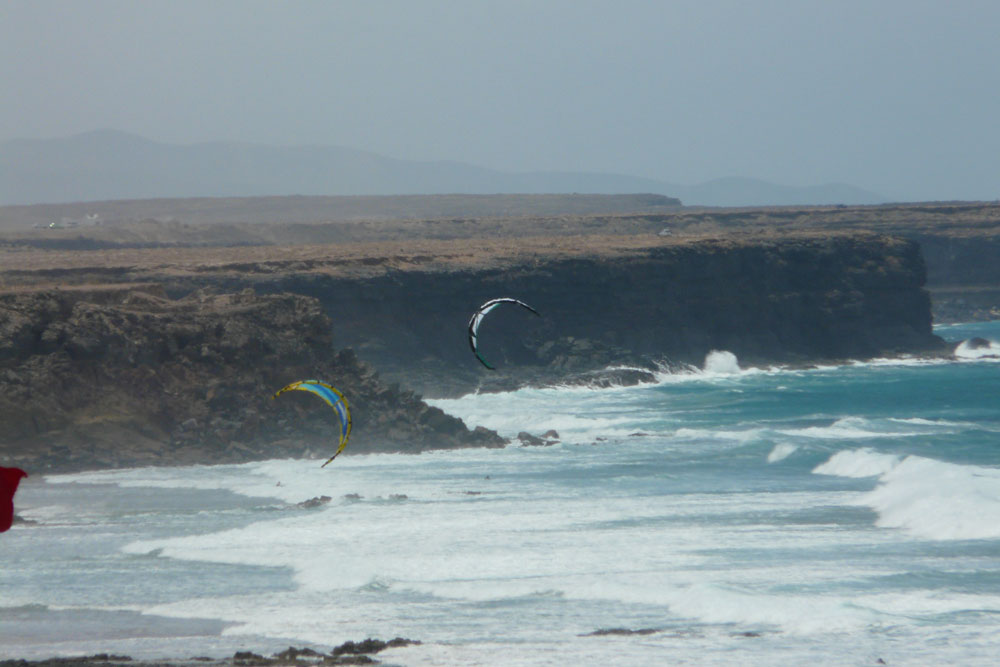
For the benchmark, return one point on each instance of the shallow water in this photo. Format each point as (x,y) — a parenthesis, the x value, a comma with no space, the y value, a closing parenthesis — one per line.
(835,515)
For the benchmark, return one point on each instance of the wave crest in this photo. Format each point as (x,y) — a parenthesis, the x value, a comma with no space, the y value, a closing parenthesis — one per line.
(721,361)
(927,498)
(977,348)
(857,463)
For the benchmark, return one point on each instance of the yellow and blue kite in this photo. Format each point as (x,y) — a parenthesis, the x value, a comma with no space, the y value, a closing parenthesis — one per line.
(334,399)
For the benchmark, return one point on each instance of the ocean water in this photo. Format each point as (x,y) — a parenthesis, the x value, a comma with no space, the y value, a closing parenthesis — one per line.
(724,515)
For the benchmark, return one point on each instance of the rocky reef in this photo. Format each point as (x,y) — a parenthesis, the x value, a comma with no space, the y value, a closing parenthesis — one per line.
(124,376)
(348,653)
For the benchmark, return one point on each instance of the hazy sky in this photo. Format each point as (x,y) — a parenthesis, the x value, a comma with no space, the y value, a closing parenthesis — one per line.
(898,96)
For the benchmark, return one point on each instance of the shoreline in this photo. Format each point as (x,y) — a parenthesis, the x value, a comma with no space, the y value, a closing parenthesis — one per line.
(171,356)
(608,378)
(348,653)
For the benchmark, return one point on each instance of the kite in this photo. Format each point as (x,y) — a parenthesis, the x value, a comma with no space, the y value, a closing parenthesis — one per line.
(9,479)
(477,319)
(334,399)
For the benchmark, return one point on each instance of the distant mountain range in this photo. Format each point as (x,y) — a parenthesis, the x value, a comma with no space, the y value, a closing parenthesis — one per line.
(108,164)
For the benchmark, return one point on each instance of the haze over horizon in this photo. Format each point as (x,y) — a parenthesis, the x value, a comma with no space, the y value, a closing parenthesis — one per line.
(895,97)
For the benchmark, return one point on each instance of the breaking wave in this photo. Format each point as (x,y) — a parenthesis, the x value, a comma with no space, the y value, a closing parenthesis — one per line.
(927,498)
(968,349)
(721,361)
(781,452)
(857,463)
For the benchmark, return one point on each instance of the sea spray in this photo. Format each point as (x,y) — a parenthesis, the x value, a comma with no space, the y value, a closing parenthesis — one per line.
(858,463)
(978,348)
(721,362)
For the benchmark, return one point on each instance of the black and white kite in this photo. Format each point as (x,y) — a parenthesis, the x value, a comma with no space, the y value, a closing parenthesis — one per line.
(477,319)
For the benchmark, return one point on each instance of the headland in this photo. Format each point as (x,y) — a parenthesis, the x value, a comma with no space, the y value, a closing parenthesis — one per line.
(147,342)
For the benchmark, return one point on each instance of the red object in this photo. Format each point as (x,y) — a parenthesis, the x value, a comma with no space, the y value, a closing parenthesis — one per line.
(9,479)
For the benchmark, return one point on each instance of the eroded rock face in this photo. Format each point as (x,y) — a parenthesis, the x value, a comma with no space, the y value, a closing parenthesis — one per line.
(121,377)
(110,376)
(767,300)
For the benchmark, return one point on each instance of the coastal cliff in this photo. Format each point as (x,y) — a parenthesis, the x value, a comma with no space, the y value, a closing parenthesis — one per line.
(638,299)
(118,377)
(768,301)
(170,356)
(959,240)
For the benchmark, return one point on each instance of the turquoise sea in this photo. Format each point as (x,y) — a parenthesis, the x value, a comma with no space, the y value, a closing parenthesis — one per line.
(721,515)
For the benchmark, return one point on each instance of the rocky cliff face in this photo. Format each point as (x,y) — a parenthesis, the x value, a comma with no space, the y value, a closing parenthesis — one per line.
(780,300)
(177,363)
(117,377)
(960,240)
(963,275)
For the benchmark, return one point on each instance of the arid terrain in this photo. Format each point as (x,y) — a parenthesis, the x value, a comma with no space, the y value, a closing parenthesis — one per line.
(960,240)
(217,315)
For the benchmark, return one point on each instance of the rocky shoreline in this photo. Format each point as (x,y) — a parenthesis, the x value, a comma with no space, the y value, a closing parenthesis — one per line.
(348,653)
(122,377)
(639,304)
(170,356)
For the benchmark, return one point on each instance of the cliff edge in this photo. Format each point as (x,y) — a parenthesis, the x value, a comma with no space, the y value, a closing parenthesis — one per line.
(129,357)
(639,301)
(124,376)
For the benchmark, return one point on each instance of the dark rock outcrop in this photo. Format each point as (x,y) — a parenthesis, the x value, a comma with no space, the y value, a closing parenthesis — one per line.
(603,632)
(142,374)
(122,377)
(317,501)
(785,300)
(547,439)
(631,304)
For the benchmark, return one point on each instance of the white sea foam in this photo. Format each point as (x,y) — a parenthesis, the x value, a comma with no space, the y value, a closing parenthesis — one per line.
(928,602)
(719,365)
(456,569)
(901,362)
(857,463)
(711,603)
(781,452)
(920,421)
(259,479)
(721,362)
(718,435)
(965,350)
(927,498)
(662,569)
(723,365)
(290,480)
(854,428)
(582,415)
(938,501)
(476,550)
(579,415)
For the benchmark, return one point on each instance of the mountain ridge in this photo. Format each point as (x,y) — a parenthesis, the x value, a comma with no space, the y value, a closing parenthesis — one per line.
(109,164)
